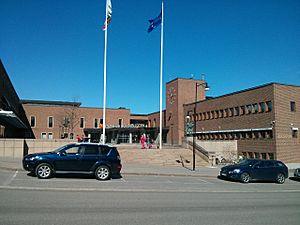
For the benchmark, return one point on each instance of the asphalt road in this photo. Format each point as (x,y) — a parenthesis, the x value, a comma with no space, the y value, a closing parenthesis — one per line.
(145,200)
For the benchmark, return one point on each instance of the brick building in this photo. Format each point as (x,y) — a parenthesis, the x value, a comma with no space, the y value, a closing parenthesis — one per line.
(264,120)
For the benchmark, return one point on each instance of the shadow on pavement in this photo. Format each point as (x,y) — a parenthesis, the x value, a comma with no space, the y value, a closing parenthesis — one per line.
(295,178)
(75,176)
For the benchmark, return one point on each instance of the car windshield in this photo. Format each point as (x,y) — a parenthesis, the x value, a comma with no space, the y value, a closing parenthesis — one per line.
(246,162)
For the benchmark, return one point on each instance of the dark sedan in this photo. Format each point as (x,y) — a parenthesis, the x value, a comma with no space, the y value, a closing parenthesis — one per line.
(101,160)
(254,169)
(297,173)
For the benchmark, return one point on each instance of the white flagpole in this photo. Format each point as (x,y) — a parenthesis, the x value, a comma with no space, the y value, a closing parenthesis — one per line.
(161,73)
(104,76)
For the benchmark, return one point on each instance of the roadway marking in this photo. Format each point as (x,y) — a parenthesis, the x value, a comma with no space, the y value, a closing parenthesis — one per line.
(9,181)
(205,181)
(142,190)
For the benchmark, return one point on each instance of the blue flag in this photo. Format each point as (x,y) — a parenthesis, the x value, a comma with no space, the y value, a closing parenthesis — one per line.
(154,23)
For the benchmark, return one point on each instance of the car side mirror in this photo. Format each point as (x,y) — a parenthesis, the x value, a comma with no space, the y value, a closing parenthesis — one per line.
(62,153)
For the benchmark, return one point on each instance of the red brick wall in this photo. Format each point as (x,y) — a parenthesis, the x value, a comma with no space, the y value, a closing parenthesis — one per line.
(288,148)
(185,90)
(42,112)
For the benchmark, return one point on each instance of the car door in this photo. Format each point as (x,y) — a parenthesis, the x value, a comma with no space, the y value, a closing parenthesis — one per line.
(263,170)
(89,157)
(68,159)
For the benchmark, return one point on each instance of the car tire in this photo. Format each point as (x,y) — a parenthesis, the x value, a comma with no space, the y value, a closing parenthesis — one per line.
(102,173)
(43,171)
(280,179)
(245,178)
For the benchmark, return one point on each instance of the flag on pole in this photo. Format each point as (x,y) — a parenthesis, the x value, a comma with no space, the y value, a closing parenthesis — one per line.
(155,22)
(159,20)
(108,13)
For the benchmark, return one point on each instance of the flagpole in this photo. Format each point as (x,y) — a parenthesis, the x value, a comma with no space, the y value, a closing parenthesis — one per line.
(161,73)
(104,76)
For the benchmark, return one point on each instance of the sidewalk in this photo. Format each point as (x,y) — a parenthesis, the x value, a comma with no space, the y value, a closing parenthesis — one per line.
(9,163)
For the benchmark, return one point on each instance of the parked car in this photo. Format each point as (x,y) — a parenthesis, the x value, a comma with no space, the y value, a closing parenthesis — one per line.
(297,173)
(101,160)
(254,169)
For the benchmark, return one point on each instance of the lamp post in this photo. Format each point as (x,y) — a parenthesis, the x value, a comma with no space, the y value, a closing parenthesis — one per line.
(206,88)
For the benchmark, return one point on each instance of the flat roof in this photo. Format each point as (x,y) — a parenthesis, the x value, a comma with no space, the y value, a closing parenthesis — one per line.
(45,102)
(245,90)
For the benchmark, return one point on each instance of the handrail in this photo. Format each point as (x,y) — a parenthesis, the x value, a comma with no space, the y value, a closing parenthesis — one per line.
(206,155)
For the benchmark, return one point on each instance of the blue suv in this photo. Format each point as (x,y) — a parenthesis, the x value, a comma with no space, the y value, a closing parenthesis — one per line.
(101,160)
(255,169)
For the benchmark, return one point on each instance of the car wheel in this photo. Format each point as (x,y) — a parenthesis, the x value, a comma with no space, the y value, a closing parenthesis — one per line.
(102,173)
(280,179)
(245,177)
(43,171)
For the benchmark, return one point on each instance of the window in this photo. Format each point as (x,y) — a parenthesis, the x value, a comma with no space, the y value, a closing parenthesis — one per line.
(212,114)
(294,132)
(65,135)
(91,150)
(255,107)
(249,109)
(243,110)
(269,106)
(82,122)
(216,114)
(262,107)
(237,111)
(101,123)
(221,113)
(226,113)
(50,135)
(72,151)
(50,122)
(293,106)
(231,112)
(32,121)
(43,135)
(95,123)
(66,122)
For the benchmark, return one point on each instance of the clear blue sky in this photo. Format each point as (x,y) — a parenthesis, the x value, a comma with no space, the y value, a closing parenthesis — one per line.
(53,50)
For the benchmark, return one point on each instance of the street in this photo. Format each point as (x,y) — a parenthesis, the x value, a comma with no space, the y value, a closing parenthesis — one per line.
(145,200)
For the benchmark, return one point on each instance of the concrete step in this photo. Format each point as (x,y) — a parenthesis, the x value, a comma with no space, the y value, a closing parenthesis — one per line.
(173,156)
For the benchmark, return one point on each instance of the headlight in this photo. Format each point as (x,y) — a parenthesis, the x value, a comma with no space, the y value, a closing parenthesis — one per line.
(236,170)
(33,158)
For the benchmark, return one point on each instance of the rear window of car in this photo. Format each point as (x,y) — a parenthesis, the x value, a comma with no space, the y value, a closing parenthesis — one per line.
(105,150)
(279,164)
(91,150)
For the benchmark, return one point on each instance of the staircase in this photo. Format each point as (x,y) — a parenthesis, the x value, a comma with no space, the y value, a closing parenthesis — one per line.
(168,156)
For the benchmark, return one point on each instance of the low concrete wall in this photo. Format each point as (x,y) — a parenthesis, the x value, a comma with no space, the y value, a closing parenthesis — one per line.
(17,148)
(223,149)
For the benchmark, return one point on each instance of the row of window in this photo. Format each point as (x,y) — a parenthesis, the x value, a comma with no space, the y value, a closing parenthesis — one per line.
(268,134)
(257,155)
(67,122)
(234,111)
